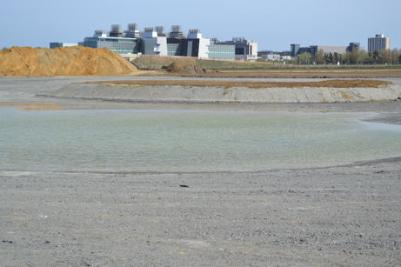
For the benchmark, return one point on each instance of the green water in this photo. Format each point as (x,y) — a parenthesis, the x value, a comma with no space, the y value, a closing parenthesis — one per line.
(174,141)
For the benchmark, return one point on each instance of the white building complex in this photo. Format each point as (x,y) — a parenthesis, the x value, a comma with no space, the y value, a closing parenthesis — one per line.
(153,41)
(195,38)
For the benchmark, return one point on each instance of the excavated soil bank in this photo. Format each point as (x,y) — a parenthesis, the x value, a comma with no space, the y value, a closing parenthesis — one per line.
(183,68)
(257,85)
(71,61)
(225,91)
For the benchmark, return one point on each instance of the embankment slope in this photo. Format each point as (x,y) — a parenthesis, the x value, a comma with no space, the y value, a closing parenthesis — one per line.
(204,91)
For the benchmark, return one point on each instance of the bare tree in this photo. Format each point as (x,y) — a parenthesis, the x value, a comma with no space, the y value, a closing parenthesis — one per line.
(305,59)
(320,59)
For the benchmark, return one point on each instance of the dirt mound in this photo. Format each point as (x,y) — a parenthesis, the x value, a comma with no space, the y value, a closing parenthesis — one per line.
(147,62)
(185,68)
(173,65)
(69,61)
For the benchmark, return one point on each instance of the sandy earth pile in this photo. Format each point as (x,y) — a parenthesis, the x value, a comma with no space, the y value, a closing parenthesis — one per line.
(71,61)
(185,68)
(147,62)
(173,65)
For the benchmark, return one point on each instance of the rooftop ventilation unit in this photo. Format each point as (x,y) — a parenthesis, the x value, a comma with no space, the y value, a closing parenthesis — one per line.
(133,31)
(116,30)
(176,28)
(194,34)
(194,31)
(160,31)
(100,33)
(149,33)
(132,27)
(176,32)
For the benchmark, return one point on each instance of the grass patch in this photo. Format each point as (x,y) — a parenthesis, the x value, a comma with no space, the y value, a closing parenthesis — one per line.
(192,67)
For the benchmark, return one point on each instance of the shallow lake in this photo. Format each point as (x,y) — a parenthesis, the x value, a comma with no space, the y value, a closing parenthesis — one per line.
(182,140)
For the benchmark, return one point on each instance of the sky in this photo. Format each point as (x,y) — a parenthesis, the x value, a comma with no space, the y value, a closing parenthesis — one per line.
(273,24)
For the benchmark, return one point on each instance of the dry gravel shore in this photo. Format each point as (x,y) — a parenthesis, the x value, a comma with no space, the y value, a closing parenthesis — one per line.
(339,216)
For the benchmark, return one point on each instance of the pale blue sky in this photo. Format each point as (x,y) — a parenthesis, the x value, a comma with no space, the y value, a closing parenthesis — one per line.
(274,24)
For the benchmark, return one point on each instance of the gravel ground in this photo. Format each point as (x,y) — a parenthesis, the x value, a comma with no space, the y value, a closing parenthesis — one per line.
(337,216)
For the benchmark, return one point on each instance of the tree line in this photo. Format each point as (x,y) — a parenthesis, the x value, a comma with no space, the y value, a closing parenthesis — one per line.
(355,57)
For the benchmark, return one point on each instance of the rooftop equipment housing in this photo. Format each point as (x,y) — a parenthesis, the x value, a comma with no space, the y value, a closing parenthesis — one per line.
(116,30)
(133,31)
(176,32)
(160,31)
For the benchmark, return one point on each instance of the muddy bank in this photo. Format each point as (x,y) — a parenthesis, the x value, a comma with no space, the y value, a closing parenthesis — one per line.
(195,94)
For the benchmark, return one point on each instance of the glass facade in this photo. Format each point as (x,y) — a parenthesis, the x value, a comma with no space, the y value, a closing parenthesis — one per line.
(149,46)
(117,45)
(222,51)
(177,46)
(173,49)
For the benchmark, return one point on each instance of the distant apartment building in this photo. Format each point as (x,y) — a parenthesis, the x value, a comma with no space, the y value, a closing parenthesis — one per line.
(378,43)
